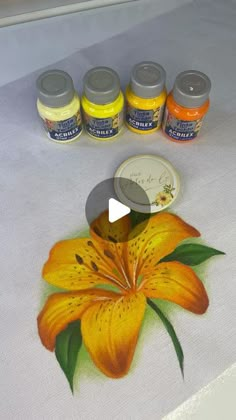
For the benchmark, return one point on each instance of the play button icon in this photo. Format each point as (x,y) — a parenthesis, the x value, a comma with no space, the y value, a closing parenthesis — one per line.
(116,210)
(104,200)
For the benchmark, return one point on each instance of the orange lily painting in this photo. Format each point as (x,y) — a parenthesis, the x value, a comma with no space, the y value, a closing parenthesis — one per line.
(106,282)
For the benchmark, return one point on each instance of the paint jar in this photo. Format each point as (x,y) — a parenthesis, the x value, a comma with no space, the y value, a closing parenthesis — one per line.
(59,106)
(145,97)
(186,106)
(102,103)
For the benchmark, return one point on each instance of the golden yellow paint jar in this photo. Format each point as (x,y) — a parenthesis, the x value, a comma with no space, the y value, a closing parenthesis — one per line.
(145,97)
(102,103)
(59,106)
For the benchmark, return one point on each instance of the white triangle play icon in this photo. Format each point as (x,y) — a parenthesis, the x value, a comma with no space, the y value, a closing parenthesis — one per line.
(117,210)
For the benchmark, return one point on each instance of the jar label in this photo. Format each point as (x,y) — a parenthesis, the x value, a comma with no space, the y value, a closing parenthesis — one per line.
(144,120)
(63,130)
(180,129)
(103,128)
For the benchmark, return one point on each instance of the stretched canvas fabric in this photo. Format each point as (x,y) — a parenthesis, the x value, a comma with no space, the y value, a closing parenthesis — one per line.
(44,187)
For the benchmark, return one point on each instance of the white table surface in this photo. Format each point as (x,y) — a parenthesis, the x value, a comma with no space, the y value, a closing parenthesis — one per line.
(28,47)
(33,45)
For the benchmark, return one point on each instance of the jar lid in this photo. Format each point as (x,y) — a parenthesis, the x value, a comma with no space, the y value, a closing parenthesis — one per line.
(191,88)
(147,79)
(101,85)
(157,177)
(55,88)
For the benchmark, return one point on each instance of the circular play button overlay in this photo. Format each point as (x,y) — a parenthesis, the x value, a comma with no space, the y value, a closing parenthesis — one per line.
(109,217)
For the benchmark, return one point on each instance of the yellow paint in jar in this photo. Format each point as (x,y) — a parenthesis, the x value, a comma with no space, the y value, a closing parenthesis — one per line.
(59,106)
(102,103)
(145,97)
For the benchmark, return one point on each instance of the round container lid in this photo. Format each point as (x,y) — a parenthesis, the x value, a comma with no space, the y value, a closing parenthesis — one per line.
(155,175)
(147,79)
(191,88)
(55,88)
(101,85)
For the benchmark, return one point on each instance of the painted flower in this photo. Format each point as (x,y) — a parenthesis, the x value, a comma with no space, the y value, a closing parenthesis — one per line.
(111,319)
(163,198)
(115,122)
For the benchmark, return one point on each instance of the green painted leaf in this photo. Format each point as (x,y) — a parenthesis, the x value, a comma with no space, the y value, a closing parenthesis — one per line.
(68,344)
(137,217)
(192,254)
(171,332)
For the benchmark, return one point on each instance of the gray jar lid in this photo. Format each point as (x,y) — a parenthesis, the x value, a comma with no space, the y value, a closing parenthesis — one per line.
(55,88)
(147,79)
(191,88)
(101,85)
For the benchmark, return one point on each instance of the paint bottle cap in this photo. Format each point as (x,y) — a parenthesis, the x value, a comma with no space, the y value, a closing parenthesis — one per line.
(101,85)
(191,88)
(157,177)
(147,79)
(55,88)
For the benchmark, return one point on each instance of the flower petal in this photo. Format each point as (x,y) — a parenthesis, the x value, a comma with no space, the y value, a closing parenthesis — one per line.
(110,332)
(177,283)
(147,245)
(63,308)
(111,238)
(112,232)
(76,264)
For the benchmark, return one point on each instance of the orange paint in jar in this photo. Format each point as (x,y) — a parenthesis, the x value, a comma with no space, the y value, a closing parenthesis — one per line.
(186,106)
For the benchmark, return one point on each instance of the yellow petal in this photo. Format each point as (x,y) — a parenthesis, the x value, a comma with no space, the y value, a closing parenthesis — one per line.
(63,308)
(177,283)
(111,238)
(110,331)
(76,264)
(113,232)
(148,244)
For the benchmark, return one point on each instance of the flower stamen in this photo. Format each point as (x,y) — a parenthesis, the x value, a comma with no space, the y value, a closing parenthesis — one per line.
(79,259)
(109,254)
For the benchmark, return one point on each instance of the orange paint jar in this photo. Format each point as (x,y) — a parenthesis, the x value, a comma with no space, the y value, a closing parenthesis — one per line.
(186,106)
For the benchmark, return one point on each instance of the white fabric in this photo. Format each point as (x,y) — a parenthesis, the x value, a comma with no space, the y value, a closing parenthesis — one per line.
(214,401)
(44,187)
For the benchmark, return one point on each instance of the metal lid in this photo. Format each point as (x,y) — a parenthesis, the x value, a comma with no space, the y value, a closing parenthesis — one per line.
(157,177)
(55,88)
(191,88)
(101,85)
(147,79)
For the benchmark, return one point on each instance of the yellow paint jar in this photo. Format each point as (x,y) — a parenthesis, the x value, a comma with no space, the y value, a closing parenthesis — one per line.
(59,106)
(145,98)
(102,103)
